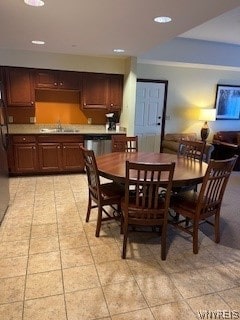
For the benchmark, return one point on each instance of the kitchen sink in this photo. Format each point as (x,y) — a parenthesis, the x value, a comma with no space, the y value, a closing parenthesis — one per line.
(56,130)
(70,130)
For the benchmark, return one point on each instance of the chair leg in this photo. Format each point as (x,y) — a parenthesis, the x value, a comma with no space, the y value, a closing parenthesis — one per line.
(124,249)
(99,221)
(119,209)
(176,218)
(89,208)
(195,237)
(164,242)
(187,222)
(216,227)
(122,224)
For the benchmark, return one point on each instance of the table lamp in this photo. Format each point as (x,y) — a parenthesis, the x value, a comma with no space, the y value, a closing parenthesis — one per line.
(206,115)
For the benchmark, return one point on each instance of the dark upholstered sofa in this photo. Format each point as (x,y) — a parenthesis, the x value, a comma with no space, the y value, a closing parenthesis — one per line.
(231,137)
(226,144)
(170,143)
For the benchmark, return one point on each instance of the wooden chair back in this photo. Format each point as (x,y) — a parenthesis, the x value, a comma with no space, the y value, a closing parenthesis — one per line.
(213,186)
(192,149)
(92,174)
(197,207)
(147,196)
(121,143)
(101,195)
(131,144)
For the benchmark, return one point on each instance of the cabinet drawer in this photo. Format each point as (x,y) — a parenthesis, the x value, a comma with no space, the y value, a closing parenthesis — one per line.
(23,139)
(60,138)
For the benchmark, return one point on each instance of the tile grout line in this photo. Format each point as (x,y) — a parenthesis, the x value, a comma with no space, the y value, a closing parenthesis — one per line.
(60,252)
(24,293)
(94,263)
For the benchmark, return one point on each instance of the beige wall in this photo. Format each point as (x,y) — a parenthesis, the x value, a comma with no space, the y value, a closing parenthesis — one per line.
(61,61)
(129,96)
(191,88)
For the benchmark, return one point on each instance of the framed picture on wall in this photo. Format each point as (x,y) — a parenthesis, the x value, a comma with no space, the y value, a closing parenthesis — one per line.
(227,102)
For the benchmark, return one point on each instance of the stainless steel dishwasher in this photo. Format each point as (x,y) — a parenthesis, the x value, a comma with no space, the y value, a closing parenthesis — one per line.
(99,143)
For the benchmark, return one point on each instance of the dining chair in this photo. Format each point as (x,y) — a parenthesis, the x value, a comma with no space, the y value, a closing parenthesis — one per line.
(143,203)
(197,207)
(192,149)
(131,144)
(122,143)
(101,195)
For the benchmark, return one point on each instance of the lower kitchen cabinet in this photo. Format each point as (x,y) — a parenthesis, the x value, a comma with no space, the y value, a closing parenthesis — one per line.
(45,153)
(72,156)
(23,154)
(50,158)
(60,153)
(55,157)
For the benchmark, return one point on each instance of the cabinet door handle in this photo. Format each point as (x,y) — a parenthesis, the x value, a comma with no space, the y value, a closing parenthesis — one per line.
(61,83)
(24,139)
(58,147)
(34,148)
(64,147)
(55,83)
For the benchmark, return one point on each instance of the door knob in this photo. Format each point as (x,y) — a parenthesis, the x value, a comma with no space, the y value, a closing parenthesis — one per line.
(158,123)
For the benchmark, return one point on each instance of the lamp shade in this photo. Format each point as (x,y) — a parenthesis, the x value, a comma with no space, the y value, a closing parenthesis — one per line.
(207,114)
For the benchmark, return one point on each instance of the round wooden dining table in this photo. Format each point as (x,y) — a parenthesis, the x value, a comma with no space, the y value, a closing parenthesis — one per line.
(187,171)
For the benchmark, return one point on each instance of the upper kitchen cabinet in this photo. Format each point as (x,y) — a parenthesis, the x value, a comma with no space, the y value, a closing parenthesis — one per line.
(102,91)
(19,87)
(115,92)
(94,91)
(55,79)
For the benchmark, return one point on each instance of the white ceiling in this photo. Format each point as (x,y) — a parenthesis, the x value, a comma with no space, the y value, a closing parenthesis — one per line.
(224,28)
(96,27)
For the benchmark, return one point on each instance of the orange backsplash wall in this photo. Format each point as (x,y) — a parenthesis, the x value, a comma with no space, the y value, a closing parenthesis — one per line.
(64,106)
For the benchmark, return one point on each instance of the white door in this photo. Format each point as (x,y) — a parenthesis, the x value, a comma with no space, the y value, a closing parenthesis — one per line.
(149,114)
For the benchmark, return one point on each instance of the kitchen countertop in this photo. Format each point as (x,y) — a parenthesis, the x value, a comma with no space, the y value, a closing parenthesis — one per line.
(69,129)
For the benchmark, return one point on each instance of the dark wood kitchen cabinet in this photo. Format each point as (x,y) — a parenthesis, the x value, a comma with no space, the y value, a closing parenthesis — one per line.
(115,94)
(59,153)
(49,153)
(19,87)
(56,79)
(50,157)
(72,156)
(60,157)
(24,153)
(102,91)
(94,91)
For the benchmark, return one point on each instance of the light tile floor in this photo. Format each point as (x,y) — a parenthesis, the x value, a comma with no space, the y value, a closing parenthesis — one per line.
(52,267)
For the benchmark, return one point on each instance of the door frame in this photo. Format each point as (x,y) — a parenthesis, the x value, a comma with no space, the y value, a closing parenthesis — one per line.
(165,82)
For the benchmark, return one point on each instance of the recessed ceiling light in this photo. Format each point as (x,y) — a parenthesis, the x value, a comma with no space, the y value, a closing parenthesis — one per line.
(162,19)
(34,3)
(119,50)
(38,42)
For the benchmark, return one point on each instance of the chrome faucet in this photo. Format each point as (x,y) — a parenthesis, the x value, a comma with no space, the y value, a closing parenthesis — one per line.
(59,126)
